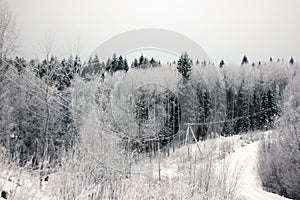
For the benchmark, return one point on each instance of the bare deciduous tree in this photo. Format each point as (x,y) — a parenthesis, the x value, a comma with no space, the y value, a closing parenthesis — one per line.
(47,45)
(8,30)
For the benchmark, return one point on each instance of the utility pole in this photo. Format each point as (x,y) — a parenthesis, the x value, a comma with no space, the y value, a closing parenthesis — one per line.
(159,179)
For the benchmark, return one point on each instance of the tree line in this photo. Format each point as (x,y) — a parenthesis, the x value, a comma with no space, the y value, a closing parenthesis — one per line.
(40,117)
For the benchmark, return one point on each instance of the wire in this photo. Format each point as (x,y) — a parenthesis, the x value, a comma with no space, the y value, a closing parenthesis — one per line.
(204,123)
(86,115)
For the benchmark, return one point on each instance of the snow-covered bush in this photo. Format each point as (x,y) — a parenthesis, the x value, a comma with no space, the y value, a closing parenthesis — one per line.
(182,177)
(279,165)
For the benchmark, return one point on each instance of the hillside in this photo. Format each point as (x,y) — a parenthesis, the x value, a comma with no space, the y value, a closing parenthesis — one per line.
(233,158)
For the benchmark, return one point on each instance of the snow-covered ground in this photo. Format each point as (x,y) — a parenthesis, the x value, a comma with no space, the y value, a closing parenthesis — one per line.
(250,187)
(240,154)
(19,184)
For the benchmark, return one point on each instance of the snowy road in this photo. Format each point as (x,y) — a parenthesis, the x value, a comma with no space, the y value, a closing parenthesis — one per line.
(250,185)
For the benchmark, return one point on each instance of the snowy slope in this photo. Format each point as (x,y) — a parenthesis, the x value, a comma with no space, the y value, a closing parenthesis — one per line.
(242,157)
(250,186)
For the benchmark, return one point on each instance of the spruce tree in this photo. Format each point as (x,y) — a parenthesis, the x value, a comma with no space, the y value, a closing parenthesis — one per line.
(152,61)
(125,65)
(135,63)
(292,61)
(242,110)
(77,64)
(269,109)
(207,102)
(19,63)
(255,108)
(41,69)
(141,60)
(222,63)
(230,108)
(184,66)
(272,107)
(108,65)
(96,65)
(245,60)
(114,64)
(120,63)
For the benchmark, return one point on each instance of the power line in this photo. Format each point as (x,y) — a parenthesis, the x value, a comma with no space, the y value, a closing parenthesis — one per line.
(204,123)
(75,112)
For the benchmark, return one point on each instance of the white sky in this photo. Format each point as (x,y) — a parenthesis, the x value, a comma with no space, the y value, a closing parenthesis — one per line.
(226,29)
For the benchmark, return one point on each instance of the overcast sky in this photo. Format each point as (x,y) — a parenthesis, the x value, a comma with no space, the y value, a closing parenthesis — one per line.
(225,29)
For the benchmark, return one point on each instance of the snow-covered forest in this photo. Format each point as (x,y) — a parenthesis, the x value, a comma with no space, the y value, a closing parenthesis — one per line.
(97,128)
(146,129)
